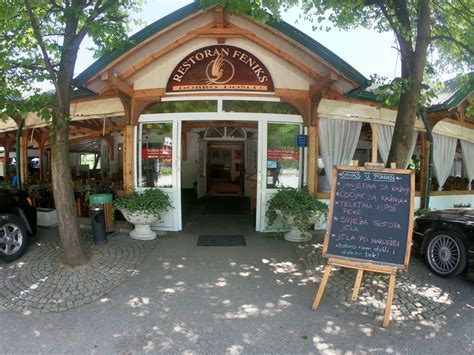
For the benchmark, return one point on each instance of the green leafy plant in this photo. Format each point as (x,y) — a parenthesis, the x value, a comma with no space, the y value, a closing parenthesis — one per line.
(150,202)
(462,205)
(296,203)
(421,211)
(37,190)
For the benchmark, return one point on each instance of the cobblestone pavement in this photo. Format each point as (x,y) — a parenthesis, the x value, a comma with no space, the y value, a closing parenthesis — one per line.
(418,294)
(37,282)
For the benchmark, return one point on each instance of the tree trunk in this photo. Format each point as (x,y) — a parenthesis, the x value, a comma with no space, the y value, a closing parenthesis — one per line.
(404,126)
(74,250)
(413,64)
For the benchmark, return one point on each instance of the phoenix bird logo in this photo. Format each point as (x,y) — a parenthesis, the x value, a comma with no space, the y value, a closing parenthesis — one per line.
(216,72)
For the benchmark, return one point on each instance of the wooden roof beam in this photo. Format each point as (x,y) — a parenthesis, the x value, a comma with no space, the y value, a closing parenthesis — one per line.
(322,85)
(41,138)
(7,141)
(112,80)
(219,16)
(280,53)
(461,112)
(82,124)
(108,129)
(157,54)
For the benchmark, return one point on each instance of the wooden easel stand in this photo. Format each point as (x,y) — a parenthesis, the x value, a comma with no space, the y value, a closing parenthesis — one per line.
(361,267)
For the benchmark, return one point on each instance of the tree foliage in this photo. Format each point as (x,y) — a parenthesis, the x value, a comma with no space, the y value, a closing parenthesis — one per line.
(39,43)
(451,24)
(259,9)
(433,36)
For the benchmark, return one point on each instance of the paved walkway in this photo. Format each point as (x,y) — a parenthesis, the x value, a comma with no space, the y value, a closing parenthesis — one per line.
(419,295)
(38,283)
(171,296)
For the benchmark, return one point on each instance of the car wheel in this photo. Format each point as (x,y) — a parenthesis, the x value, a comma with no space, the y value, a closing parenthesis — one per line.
(446,254)
(13,237)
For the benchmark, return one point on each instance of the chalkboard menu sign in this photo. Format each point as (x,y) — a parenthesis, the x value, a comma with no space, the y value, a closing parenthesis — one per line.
(371,215)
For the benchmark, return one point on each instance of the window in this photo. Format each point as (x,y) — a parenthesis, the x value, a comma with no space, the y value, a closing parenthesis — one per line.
(258,107)
(283,156)
(90,160)
(182,106)
(157,155)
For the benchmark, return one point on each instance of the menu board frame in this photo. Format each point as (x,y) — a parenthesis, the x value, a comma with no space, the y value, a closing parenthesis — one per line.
(383,265)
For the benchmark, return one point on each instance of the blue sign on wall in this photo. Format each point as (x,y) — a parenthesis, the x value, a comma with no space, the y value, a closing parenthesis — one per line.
(301,140)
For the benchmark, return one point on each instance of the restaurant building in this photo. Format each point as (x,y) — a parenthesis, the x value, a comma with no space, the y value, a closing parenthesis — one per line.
(217,103)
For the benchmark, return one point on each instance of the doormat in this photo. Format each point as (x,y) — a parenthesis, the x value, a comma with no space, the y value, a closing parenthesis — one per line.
(222,240)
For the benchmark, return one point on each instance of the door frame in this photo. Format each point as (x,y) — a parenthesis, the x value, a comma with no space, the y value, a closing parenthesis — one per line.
(262,190)
(175,191)
(177,118)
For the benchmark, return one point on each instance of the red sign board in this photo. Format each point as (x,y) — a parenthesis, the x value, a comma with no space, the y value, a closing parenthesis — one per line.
(220,68)
(282,154)
(157,153)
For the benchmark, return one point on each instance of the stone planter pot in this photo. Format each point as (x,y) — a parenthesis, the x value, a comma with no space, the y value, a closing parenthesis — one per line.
(47,217)
(142,222)
(294,234)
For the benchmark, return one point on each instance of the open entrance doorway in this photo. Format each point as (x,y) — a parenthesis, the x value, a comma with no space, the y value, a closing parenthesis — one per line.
(226,169)
(234,149)
(219,168)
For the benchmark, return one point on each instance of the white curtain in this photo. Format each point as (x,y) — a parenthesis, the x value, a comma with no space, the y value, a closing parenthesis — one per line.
(338,142)
(468,160)
(443,157)
(385,134)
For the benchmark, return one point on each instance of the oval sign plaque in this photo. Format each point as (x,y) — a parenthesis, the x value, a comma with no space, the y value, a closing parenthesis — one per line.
(220,68)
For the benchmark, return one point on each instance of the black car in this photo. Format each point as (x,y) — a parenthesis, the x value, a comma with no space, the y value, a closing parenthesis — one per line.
(446,240)
(17,223)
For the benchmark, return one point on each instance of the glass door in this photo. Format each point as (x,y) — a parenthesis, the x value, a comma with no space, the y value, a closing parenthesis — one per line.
(281,164)
(158,158)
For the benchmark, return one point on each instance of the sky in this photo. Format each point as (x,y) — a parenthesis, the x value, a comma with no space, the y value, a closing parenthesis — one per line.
(367,51)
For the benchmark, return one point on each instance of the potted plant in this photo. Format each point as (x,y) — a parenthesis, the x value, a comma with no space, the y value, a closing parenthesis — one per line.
(297,208)
(142,210)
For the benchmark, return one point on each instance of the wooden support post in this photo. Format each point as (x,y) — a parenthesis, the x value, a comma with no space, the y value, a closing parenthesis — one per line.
(79,207)
(312,177)
(388,307)
(128,144)
(375,141)
(424,166)
(322,286)
(358,280)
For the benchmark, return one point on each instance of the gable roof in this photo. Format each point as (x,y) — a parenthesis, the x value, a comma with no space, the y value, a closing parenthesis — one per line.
(188,10)
(453,93)
(450,96)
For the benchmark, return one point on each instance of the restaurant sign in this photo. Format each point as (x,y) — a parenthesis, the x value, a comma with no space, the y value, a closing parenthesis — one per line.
(283,154)
(157,153)
(220,68)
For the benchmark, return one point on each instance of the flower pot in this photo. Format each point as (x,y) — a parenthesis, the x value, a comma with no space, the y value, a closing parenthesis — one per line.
(142,222)
(295,234)
(47,217)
